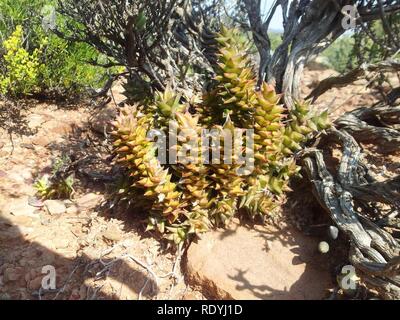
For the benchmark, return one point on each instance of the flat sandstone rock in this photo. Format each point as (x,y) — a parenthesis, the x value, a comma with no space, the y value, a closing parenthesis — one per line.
(244,263)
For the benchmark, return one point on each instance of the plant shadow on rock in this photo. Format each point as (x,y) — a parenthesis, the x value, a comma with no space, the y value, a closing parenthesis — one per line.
(258,262)
(294,259)
(302,224)
(265,292)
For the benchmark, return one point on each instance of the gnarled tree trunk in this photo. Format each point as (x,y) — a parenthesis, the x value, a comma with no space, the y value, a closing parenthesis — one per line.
(310,26)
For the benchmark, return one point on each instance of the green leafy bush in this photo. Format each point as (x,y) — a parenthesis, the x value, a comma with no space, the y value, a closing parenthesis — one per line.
(46,62)
(377,44)
(65,69)
(21,72)
(340,53)
(25,13)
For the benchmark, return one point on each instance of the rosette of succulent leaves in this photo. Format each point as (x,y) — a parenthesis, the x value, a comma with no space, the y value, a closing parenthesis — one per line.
(59,183)
(188,197)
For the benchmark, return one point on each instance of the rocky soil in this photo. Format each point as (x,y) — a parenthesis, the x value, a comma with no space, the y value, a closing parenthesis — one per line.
(96,254)
(103,254)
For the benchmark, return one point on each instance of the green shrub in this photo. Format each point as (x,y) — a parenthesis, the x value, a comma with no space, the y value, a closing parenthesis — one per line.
(64,67)
(340,53)
(25,13)
(45,63)
(376,44)
(21,68)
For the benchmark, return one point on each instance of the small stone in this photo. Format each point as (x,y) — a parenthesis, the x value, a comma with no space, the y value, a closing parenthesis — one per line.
(42,140)
(101,121)
(113,234)
(55,207)
(45,220)
(3,174)
(35,202)
(21,207)
(72,209)
(89,200)
(68,203)
(333,232)
(13,274)
(323,247)
(57,127)
(189,296)
(36,283)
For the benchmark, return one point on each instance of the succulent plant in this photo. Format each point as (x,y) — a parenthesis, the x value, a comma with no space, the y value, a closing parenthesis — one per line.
(189,196)
(166,104)
(226,183)
(258,199)
(191,170)
(302,123)
(59,184)
(268,125)
(138,154)
(233,92)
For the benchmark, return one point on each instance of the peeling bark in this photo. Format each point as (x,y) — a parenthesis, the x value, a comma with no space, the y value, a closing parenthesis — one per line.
(374,252)
(310,26)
